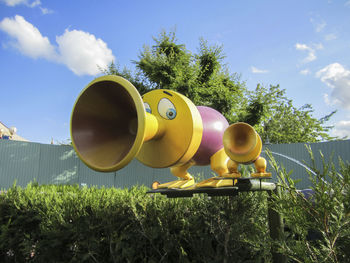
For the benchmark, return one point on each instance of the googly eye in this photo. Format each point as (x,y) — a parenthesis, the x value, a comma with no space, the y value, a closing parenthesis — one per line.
(171,114)
(166,109)
(147,107)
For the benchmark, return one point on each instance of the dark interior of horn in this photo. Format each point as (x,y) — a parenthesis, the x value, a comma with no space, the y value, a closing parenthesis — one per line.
(100,124)
(242,138)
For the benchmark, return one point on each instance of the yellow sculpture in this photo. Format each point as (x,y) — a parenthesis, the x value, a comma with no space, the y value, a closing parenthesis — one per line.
(111,124)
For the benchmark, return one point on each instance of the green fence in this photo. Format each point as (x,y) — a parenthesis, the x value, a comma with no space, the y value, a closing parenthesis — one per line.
(24,162)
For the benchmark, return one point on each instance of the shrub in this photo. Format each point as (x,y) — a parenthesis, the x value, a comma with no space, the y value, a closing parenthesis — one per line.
(61,223)
(318,225)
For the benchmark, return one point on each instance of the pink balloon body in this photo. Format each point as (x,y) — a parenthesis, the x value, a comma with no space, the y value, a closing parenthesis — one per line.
(214,126)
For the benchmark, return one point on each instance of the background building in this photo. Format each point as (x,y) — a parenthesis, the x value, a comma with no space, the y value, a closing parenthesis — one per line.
(10,133)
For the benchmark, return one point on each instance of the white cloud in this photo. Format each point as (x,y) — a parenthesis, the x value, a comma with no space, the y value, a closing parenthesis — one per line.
(28,3)
(22,2)
(299,46)
(318,25)
(311,51)
(46,11)
(13,2)
(34,3)
(330,37)
(310,57)
(317,46)
(347,3)
(80,51)
(258,71)
(342,129)
(27,38)
(337,78)
(305,72)
(327,99)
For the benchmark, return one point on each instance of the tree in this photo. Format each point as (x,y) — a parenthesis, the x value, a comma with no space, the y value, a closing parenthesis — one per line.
(134,77)
(278,121)
(201,77)
(205,79)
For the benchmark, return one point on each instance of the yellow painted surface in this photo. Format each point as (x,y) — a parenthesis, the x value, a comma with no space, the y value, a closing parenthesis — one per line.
(182,130)
(242,143)
(105,151)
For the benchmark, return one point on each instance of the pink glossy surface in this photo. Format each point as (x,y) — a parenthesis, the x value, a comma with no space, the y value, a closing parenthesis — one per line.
(214,125)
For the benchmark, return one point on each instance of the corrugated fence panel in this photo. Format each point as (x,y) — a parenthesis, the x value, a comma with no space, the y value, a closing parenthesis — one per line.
(336,149)
(291,157)
(201,172)
(295,157)
(58,165)
(134,173)
(54,164)
(19,161)
(162,175)
(90,177)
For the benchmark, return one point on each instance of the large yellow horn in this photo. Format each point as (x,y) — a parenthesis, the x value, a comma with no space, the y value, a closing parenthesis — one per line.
(109,124)
(242,143)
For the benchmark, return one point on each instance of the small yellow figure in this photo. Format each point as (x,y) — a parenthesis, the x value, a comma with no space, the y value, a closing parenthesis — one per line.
(111,124)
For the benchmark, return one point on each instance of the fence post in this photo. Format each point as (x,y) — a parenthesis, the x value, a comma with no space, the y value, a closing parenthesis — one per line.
(276,228)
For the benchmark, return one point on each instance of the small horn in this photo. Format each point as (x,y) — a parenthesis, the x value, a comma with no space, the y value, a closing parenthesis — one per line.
(242,143)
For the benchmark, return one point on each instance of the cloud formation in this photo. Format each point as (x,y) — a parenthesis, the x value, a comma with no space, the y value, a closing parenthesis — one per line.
(28,3)
(318,25)
(45,10)
(311,50)
(27,38)
(342,129)
(305,72)
(258,71)
(22,2)
(337,78)
(330,37)
(80,51)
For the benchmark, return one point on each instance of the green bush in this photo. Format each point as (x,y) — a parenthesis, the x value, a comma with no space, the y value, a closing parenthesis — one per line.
(61,223)
(319,225)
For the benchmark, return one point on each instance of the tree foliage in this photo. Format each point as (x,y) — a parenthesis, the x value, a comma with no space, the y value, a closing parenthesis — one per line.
(318,223)
(201,77)
(134,77)
(205,79)
(277,120)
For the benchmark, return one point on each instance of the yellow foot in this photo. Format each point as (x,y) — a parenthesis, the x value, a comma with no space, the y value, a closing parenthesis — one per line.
(218,181)
(178,184)
(231,175)
(261,175)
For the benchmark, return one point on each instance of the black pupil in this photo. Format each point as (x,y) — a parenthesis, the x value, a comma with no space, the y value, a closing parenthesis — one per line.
(171,113)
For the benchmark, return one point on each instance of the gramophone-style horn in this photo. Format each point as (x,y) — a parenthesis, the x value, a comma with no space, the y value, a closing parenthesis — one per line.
(109,124)
(242,143)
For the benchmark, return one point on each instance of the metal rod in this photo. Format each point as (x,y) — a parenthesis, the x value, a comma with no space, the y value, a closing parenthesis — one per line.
(255,185)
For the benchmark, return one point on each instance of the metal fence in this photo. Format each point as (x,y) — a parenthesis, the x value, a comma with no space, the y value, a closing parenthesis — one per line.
(24,162)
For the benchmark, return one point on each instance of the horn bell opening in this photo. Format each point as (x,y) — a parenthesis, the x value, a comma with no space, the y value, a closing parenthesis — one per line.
(242,143)
(107,123)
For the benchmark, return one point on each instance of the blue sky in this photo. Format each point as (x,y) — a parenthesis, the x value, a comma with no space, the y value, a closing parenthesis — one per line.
(49,51)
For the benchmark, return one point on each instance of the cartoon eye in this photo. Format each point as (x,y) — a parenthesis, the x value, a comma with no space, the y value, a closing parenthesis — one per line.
(147,107)
(171,114)
(166,109)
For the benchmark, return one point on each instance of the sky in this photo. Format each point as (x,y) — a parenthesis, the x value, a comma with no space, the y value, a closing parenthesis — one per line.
(50,50)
